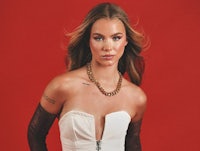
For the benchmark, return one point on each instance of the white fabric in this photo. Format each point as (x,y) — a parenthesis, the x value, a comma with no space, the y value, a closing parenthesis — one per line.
(77,131)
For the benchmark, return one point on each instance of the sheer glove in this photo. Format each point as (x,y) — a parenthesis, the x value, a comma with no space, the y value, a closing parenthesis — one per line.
(132,141)
(38,129)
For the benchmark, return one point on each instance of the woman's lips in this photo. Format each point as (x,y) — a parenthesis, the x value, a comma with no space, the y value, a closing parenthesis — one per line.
(107,57)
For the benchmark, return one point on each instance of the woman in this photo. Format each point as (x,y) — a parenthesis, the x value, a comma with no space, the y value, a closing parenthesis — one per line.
(98,109)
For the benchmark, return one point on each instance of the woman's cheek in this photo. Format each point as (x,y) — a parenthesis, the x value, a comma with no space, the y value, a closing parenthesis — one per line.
(120,47)
(95,46)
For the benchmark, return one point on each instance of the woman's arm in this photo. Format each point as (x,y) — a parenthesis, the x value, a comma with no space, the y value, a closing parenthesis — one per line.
(38,129)
(132,141)
(48,109)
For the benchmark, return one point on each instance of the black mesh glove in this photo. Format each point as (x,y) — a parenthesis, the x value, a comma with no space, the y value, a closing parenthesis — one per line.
(132,141)
(38,129)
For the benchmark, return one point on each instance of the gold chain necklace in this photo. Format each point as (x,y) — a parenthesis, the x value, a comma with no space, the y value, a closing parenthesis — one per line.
(92,79)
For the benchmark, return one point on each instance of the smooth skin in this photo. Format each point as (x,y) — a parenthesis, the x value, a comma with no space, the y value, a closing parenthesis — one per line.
(74,91)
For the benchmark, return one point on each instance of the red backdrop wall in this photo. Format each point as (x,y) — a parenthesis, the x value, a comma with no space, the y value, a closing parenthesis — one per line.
(31,54)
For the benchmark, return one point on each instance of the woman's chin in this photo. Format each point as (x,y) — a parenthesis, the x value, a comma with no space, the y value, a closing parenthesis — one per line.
(108,63)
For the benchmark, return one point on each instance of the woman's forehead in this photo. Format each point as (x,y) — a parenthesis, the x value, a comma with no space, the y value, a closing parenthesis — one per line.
(108,26)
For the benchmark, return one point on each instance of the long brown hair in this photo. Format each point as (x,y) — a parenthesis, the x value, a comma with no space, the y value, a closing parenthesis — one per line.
(79,52)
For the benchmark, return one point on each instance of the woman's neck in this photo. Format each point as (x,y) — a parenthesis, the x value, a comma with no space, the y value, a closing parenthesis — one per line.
(105,74)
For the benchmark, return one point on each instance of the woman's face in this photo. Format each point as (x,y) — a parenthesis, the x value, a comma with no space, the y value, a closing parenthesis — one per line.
(107,41)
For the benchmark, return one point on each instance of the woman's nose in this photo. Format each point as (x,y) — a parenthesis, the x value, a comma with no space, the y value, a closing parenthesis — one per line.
(107,45)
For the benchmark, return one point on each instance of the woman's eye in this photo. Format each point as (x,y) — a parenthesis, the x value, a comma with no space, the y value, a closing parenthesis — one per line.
(98,38)
(116,38)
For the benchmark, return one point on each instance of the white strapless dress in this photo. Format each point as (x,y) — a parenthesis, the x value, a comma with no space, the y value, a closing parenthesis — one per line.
(77,131)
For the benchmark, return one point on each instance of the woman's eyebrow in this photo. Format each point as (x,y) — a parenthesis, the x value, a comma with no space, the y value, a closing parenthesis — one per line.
(115,34)
(98,34)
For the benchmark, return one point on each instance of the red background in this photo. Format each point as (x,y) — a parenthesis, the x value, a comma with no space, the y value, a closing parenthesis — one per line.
(31,54)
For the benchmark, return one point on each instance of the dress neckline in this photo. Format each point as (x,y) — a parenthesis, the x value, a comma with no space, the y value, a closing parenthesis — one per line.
(91,115)
(82,113)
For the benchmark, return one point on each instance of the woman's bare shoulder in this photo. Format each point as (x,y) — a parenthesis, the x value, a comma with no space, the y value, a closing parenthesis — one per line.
(67,80)
(135,93)
(59,89)
(137,100)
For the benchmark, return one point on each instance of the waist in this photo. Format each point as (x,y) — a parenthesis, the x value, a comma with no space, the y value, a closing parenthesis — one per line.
(90,145)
